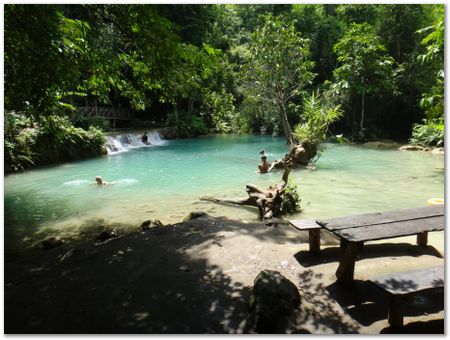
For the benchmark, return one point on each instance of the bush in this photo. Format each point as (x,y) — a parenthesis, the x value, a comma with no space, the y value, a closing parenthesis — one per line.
(19,135)
(290,201)
(219,106)
(86,122)
(315,120)
(58,140)
(53,139)
(428,134)
(187,126)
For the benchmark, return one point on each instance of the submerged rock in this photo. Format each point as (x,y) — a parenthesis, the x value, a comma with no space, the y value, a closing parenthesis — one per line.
(52,242)
(273,299)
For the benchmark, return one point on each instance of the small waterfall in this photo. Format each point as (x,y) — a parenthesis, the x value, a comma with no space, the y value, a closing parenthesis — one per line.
(125,142)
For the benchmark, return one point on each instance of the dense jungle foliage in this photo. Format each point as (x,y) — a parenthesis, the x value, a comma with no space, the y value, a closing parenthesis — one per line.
(378,70)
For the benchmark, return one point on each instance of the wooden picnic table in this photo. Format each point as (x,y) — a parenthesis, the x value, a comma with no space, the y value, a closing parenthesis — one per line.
(401,285)
(354,230)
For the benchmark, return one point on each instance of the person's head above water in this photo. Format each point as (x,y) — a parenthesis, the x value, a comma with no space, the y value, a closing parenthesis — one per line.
(263,158)
(99,180)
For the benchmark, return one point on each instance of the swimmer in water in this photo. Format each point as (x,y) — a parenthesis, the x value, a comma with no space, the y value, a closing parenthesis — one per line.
(100,182)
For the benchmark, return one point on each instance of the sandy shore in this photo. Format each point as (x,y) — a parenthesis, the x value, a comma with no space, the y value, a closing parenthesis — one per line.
(195,277)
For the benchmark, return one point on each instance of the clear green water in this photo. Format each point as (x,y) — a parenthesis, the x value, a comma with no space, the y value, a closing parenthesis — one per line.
(165,183)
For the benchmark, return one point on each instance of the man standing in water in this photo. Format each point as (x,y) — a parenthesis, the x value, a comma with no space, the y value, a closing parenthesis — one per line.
(145,138)
(264,166)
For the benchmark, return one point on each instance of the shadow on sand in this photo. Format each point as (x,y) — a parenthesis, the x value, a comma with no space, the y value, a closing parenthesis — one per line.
(332,254)
(367,304)
(156,281)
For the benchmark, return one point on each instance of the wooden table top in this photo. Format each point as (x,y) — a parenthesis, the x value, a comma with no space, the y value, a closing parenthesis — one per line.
(396,223)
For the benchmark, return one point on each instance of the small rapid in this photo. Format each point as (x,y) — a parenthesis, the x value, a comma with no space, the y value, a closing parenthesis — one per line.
(125,142)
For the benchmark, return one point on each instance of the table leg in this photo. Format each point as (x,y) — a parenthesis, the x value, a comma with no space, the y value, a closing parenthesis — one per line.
(346,269)
(396,311)
(343,246)
(422,238)
(314,240)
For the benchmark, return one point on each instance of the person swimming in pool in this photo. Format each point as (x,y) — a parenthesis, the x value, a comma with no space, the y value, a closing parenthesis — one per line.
(100,182)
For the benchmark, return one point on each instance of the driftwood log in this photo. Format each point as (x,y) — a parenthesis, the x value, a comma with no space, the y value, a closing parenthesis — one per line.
(268,201)
(299,154)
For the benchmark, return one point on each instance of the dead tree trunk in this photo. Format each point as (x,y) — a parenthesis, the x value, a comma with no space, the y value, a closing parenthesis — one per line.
(300,154)
(267,201)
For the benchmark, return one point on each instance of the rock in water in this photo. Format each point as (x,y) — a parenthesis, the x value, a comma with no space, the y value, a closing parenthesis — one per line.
(273,299)
(438,150)
(147,225)
(412,148)
(194,214)
(52,242)
(106,235)
(382,143)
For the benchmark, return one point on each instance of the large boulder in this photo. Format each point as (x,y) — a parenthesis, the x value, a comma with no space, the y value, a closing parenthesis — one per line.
(273,299)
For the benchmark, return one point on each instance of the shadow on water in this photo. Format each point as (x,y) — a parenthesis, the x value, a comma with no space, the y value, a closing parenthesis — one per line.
(332,254)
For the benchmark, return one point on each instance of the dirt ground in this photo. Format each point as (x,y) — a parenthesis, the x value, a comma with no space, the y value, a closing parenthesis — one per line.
(195,277)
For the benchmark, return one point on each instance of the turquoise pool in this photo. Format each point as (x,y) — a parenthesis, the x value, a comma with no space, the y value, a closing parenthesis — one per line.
(165,182)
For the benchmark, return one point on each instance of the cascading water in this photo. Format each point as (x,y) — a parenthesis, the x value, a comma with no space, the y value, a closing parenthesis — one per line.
(125,142)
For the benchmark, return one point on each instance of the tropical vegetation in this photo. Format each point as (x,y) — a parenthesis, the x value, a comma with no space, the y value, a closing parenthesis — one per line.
(364,71)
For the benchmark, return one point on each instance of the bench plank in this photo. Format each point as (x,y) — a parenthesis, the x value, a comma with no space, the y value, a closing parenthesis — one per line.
(409,282)
(379,218)
(314,232)
(304,224)
(391,230)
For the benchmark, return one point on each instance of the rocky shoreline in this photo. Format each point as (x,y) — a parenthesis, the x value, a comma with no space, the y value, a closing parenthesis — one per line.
(388,144)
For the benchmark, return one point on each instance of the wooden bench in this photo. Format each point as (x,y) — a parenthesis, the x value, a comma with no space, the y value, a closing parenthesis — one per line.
(354,230)
(402,285)
(314,232)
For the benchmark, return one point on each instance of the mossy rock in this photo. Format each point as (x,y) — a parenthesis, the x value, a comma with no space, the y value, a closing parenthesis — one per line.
(273,299)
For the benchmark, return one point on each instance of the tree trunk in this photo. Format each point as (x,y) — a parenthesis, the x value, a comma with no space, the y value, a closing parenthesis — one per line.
(267,201)
(286,126)
(361,124)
